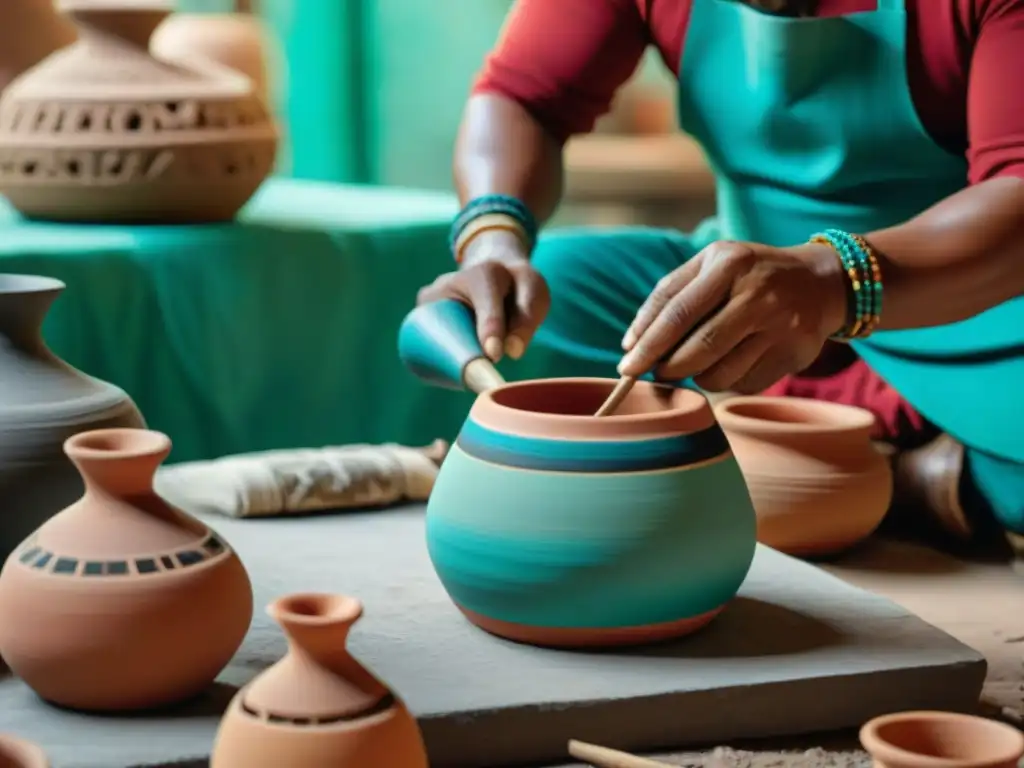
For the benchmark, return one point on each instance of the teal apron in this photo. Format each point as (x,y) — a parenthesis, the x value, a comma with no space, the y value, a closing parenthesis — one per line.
(809,124)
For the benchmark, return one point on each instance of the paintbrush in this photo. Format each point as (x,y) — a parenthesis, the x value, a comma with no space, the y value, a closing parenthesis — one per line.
(602,757)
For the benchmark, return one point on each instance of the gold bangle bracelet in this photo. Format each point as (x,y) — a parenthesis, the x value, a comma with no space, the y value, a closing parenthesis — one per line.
(488,223)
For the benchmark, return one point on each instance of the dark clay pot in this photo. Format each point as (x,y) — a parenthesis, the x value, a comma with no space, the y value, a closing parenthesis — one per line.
(43,401)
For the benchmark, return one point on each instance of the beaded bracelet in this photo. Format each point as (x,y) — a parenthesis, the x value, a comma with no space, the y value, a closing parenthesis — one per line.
(489,205)
(864,282)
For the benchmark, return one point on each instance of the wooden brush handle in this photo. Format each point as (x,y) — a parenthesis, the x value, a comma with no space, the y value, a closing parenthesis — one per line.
(602,757)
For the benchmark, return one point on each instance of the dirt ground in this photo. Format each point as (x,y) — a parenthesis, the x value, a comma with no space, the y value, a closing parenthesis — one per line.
(980,602)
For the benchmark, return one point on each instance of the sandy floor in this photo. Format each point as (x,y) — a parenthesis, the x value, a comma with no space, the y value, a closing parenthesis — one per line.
(982,604)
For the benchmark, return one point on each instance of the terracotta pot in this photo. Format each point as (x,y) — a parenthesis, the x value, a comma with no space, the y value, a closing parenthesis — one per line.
(43,401)
(104,132)
(817,481)
(317,707)
(30,30)
(121,601)
(235,40)
(941,740)
(17,753)
(550,526)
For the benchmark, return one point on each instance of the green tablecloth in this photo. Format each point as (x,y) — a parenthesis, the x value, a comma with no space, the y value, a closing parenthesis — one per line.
(276,331)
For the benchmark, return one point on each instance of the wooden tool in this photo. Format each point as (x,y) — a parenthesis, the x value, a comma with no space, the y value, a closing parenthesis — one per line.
(602,757)
(618,394)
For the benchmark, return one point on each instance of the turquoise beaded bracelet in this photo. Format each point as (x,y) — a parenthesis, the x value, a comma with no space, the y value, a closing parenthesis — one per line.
(864,282)
(488,205)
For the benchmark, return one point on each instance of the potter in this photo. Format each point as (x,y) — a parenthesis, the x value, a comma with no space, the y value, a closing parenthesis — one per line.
(849,210)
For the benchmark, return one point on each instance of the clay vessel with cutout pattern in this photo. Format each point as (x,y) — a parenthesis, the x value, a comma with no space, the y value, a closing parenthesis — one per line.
(30,30)
(121,602)
(317,707)
(103,131)
(18,753)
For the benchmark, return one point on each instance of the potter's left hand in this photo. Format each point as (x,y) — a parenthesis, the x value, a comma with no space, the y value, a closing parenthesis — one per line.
(738,316)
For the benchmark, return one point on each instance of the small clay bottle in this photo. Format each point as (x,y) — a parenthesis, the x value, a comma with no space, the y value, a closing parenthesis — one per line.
(121,601)
(317,707)
(18,753)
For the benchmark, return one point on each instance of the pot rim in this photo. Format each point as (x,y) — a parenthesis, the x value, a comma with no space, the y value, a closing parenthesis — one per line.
(824,418)
(689,412)
(16,284)
(886,752)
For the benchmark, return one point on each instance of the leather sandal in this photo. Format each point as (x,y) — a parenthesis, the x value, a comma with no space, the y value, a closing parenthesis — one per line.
(927,482)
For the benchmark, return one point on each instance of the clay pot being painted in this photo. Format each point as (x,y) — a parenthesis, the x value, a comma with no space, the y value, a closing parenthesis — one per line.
(317,707)
(102,131)
(18,753)
(43,402)
(235,40)
(818,483)
(941,740)
(550,526)
(30,30)
(121,602)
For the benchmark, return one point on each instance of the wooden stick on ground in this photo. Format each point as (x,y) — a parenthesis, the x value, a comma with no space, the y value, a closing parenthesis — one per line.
(602,757)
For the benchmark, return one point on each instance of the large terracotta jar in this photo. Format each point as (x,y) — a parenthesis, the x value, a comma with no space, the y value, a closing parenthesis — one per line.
(18,753)
(318,707)
(941,740)
(102,131)
(550,526)
(43,402)
(30,30)
(121,602)
(818,483)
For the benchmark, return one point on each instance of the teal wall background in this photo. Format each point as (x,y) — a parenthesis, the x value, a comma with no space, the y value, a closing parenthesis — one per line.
(373,89)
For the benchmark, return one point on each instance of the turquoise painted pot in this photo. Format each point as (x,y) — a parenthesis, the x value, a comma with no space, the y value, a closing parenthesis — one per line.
(549,526)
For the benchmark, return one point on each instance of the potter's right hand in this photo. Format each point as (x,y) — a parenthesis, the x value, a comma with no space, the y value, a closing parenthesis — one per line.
(508,296)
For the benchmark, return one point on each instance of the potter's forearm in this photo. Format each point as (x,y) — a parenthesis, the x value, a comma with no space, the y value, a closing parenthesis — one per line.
(957,259)
(502,149)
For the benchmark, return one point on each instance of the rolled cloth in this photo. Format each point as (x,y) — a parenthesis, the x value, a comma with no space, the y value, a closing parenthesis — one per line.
(287,482)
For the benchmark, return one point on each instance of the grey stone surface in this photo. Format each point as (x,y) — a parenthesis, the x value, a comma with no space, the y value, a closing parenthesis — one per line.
(799,651)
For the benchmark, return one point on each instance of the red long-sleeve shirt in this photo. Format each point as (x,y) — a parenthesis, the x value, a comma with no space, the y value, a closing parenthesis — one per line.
(563,60)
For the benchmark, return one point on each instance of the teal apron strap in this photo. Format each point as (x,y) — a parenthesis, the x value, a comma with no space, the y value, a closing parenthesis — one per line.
(892,5)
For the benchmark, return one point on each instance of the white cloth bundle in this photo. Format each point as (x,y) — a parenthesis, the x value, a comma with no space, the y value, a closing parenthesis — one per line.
(301,481)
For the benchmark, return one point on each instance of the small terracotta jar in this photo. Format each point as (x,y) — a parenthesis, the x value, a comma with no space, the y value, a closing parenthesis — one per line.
(18,753)
(317,707)
(235,40)
(121,601)
(817,482)
(941,740)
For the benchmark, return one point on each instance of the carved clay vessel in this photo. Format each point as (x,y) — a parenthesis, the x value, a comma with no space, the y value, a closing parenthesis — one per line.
(18,753)
(30,30)
(121,602)
(818,483)
(236,40)
(102,131)
(946,739)
(318,707)
(43,402)
(548,525)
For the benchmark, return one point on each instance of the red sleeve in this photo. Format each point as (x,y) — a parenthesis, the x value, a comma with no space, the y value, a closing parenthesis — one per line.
(563,60)
(995,97)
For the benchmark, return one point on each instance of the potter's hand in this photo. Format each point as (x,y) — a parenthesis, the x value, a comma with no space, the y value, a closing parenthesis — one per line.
(738,316)
(508,296)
